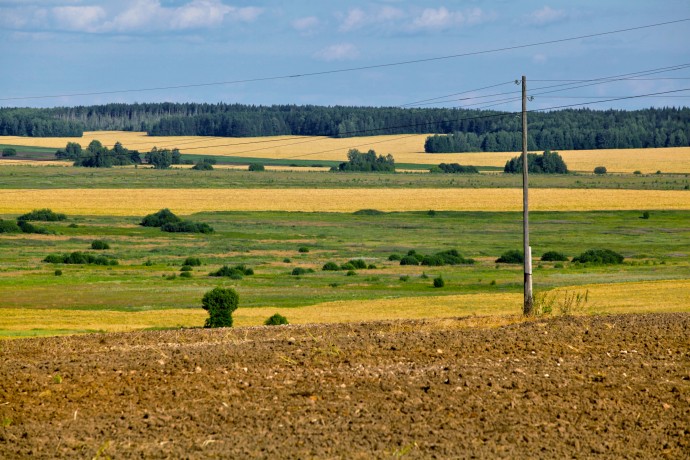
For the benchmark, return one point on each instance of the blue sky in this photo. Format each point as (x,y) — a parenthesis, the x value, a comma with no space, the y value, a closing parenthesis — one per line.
(59,47)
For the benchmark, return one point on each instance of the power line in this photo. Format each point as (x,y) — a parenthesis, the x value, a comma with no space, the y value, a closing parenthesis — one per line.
(353,69)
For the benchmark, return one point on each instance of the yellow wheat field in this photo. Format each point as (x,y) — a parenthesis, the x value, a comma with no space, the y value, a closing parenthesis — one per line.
(134,202)
(637,297)
(405,149)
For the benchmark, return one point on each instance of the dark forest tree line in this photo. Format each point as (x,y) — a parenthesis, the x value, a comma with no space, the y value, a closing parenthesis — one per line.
(458,130)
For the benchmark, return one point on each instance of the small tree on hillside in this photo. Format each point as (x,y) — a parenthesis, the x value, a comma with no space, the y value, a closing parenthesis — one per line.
(220,303)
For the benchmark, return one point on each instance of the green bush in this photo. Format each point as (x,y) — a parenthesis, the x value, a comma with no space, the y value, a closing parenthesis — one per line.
(371,267)
(303,249)
(192,262)
(58,272)
(79,258)
(236,272)
(186,268)
(330,266)
(297,271)
(351,273)
(99,245)
(160,218)
(45,215)
(600,170)
(28,227)
(645,215)
(637,172)
(409,260)
(511,257)
(276,320)
(7,226)
(9,152)
(368,212)
(599,257)
(186,226)
(394,257)
(359,264)
(404,278)
(206,164)
(287,260)
(220,303)
(438,282)
(455,168)
(186,275)
(547,163)
(553,256)
(347,266)
(257,167)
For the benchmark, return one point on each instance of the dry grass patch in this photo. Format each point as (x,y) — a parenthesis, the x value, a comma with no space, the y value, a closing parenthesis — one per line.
(134,202)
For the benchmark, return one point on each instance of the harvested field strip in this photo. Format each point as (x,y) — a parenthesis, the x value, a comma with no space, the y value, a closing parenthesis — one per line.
(127,202)
(639,297)
(405,149)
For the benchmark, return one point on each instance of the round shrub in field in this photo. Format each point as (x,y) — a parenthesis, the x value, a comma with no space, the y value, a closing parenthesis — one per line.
(235,273)
(553,256)
(600,170)
(186,275)
(347,266)
(394,257)
(297,271)
(160,218)
(186,268)
(99,245)
(7,226)
(409,260)
(256,167)
(599,257)
(192,262)
(511,257)
(331,266)
(438,282)
(220,303)
(276,320)
(359,264)
(303,249)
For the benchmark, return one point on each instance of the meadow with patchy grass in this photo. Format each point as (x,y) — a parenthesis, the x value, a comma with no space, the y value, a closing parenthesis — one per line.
(147,280)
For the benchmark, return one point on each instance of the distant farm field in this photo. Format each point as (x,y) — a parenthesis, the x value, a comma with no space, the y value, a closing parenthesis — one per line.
(407,149)
(127,202)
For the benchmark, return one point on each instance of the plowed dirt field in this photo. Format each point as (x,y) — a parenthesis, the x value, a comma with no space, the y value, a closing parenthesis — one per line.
(580,387)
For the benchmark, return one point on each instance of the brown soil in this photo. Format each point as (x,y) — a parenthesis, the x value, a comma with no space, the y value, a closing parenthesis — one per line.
(608,386)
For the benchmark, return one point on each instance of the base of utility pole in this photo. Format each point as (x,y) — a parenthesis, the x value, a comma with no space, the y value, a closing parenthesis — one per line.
(529,297)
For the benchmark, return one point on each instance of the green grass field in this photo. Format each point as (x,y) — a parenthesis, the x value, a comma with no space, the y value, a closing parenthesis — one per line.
(655,250)
(23,176)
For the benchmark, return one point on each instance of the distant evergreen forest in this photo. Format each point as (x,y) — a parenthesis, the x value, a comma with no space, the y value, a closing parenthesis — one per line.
(452,130)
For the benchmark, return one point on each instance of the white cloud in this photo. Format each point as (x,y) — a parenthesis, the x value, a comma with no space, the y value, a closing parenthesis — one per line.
(339,52)
(305,24)
(546,15)
(80,18)
(357,18)
(134,15)
(539,58)
(442,18)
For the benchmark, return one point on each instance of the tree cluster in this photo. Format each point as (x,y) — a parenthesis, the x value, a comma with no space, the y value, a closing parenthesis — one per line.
(97,155)
(366,162)
(546,163)
(164,158)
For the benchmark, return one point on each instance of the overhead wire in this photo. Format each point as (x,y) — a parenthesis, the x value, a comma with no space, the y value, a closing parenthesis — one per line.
(353,69)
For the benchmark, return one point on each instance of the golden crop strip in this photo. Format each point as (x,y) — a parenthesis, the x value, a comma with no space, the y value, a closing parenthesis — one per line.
(135,202)
(405,149)
(635,297)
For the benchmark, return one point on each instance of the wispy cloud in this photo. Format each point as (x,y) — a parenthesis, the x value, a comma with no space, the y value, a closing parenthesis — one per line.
(133,16)
(305,24)
(357,18)
(339,52)
(545,15)
(443,18)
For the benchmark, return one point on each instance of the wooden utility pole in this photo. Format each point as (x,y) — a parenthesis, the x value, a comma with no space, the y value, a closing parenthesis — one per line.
(529,300)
